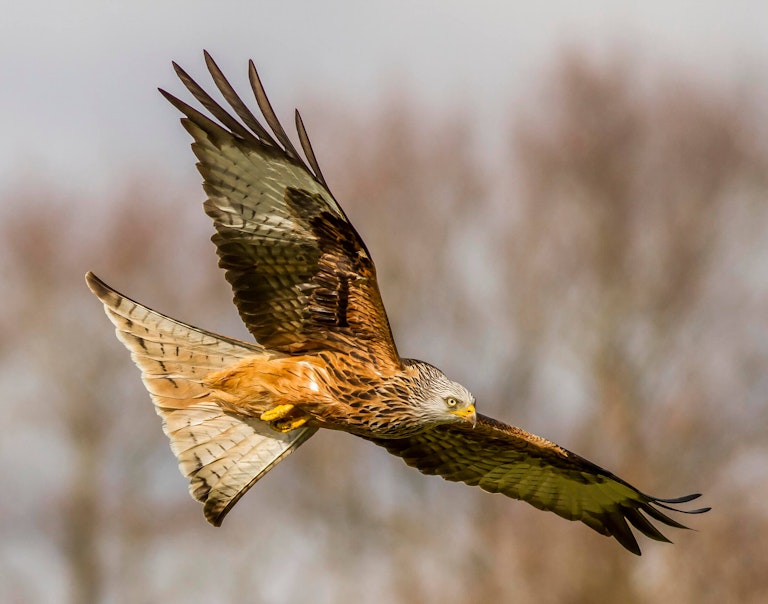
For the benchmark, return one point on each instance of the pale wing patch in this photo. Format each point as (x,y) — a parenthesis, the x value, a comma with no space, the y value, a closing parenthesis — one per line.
(504,459)
(237,177)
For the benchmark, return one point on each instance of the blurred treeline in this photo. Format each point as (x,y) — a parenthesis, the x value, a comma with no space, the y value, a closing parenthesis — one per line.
(601,281)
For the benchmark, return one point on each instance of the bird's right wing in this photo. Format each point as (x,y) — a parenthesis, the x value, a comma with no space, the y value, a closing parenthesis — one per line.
(504,459)
(302,277)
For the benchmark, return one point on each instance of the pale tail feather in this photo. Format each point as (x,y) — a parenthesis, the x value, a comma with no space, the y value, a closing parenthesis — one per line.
(222,454)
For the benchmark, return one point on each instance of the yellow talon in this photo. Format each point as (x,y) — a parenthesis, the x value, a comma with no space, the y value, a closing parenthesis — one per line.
(289,424)
(278,412)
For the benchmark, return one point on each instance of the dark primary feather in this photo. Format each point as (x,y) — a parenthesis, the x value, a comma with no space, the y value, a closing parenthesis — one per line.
(504,459)
(269,114)
(308,151)
(302,277)
(236,102)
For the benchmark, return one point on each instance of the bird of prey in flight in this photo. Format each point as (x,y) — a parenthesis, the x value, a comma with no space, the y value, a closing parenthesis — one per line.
(324,356)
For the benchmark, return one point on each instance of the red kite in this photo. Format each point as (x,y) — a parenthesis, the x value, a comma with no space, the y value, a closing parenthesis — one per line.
(324,357)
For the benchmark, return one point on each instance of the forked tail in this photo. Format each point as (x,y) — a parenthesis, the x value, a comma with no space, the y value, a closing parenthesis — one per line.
(222,454)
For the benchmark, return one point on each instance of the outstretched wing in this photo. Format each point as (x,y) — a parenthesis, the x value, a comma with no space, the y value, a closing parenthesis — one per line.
(302,277)
(504,459)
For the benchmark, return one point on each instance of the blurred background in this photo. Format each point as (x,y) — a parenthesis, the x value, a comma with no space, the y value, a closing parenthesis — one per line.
(567,205)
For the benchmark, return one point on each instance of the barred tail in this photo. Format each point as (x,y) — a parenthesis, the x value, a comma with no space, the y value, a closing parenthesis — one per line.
(223,455)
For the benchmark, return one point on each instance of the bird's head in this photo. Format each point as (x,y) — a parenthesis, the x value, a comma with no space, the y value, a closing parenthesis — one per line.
(445,401)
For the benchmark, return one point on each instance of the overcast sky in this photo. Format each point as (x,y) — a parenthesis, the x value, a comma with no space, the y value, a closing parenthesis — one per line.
(78,100)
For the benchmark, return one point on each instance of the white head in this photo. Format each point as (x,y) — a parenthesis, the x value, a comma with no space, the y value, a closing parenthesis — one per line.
(444,401)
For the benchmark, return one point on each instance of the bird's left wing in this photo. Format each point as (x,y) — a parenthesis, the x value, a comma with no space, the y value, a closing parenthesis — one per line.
(504,459)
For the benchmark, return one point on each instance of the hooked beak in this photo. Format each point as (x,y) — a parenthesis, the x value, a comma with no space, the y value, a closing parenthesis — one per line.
(467,414)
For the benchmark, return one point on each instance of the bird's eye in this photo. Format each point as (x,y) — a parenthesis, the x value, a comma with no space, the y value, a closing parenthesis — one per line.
(451,401)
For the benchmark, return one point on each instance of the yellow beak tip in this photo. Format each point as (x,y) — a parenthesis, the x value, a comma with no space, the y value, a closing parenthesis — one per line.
(467,414)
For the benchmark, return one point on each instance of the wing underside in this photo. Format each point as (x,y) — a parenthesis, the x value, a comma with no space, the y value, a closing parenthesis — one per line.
(302,277)
(504,459)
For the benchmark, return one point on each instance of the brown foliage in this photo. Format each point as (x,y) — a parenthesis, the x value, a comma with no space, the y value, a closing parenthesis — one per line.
(601,285)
